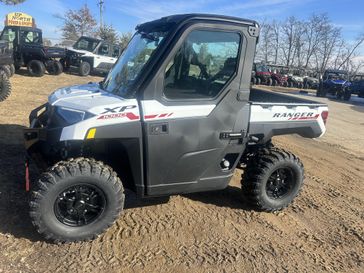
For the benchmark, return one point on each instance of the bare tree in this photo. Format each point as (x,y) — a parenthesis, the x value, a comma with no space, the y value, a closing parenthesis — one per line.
(290,30)
(265,46)
(313,35)
(77,23)
(351,50)
(276,27)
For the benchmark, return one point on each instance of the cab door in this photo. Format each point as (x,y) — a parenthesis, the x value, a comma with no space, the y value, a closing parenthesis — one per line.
(193,120)
(103,59)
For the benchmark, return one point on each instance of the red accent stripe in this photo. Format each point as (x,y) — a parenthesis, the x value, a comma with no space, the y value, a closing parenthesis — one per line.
(132,116)
(27,180)
(150,116)
(158,116)
(305,118)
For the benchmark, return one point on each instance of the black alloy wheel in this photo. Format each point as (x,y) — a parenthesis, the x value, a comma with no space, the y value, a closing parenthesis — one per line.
(79,205)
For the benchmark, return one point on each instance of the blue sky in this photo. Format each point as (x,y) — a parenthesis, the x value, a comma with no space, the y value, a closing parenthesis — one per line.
(124,15)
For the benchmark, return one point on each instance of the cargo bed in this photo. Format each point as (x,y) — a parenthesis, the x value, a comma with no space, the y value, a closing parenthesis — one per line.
(279,114)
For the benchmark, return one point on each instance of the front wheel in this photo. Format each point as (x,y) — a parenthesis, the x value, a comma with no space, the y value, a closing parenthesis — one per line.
(272,179)
(347,94)
(84,69)
(36,68)
(76,200)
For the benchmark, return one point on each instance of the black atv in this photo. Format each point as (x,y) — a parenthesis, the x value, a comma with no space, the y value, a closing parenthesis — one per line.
(29,51)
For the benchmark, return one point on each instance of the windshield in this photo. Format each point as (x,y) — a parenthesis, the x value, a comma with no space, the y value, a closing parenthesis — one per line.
(131,62)
(262,68)
(87,44)
(336,76)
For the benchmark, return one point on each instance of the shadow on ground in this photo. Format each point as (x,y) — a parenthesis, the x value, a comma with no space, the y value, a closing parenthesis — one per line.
(14,208)
(14,217)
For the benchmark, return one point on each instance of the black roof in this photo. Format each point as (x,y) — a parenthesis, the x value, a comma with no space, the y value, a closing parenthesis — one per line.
(24,28)
(336,71)
(179,18)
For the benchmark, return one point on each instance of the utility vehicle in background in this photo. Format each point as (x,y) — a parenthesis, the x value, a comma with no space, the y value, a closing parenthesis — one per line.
(91,55)
(175,115)
(278,78)
(29,51)
(336,83)
(357,85)
(262,74)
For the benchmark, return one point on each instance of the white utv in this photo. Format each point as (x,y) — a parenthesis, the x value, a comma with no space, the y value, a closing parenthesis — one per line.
(91,55)
(174,115)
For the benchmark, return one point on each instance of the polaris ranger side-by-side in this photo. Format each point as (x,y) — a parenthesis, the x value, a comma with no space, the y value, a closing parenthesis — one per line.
(29,51)
(174,115)
(91,55)
(335,82)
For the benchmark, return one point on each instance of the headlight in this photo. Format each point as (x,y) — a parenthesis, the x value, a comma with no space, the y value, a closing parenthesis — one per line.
(71,116)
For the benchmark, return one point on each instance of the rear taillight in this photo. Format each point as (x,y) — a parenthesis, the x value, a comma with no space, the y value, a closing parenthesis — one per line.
(324,115)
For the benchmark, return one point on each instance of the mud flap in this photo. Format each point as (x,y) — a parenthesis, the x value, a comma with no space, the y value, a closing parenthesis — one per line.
(27,179)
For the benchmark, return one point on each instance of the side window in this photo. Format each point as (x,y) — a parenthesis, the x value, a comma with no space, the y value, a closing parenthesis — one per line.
(203,65)
(30,37)
(9,35)
(116,51)
(104,50)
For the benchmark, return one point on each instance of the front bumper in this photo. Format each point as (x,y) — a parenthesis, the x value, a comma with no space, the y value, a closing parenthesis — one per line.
(40,139)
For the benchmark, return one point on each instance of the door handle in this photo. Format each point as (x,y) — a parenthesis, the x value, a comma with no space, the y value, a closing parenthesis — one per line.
(158,129)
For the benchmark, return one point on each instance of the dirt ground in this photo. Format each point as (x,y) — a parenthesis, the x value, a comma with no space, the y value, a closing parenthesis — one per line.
(323,230)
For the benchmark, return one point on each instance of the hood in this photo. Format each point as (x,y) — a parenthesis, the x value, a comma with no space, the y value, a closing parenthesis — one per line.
(340,82)
(312,79)
(83,97)
(297,78)
(79,51)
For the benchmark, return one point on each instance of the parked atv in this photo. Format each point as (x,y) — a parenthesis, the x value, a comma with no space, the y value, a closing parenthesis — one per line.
(262,74)
(310,82)
(29,51)
(295,81)
(278,78)
(91,55)
(335,82)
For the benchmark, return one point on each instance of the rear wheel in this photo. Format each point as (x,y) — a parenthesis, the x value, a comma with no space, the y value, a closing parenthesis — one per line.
(5,87)
(36,68)
(76,200)
(54,67)
(272,179)
(258,81)
(84,69)
(270,82)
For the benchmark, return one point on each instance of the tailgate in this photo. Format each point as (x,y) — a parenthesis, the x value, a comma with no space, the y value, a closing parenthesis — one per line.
(307,120)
